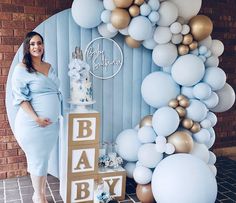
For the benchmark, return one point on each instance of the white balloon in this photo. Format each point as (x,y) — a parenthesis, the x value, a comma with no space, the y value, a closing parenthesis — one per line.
(212,158)
(217,47)
(164,54)
(87,13)
(160,147)
(162,35)
(206,42)
(105,16)
(206,123)
(202,91)
(212,139)
(170,148)
(146,134)
(167,69)
(212,61)
(168,13)
(226,99)
(154,16)
(149,43)
(185,29)
(165,121)
(165,89)
(177,39)
(176,28)
(145,9)
(202,50)
(188,8)
(128,145)
(161,139)
(140,28)
(111,28)
(173,181)
(200,151)
(212,101)
(129,167)
(212,117)
(196,111)
(154,4)
(109,4)
(142,175)
(213,169)
(202,137)
(124,31)
(187,91)
(188,70)
(102,29)
(148,156)
(215,77)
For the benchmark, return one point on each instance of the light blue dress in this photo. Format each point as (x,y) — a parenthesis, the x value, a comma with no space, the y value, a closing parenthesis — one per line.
(44,95)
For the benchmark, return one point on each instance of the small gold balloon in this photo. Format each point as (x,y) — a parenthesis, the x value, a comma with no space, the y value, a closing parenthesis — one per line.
(146,121)
(120,18)
(187,39)
(132,42)
(173,103)
(134,10)
(184,103)
(193,45)
(180,97)
(182,141)
(181,111)
(138,2)
(187,123)
(195,128)
(201,27)
(183,49)
(144,193)
(123,3)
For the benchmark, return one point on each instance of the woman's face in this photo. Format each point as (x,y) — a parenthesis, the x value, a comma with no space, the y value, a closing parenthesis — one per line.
(36,46)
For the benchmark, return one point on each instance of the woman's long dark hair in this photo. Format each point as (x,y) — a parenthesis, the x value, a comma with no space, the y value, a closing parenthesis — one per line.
(27,60)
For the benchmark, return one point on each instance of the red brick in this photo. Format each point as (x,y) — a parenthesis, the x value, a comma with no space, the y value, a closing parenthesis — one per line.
(31,25)
(2,117)
(1,56)
(3,146)
(7,138)
(12,8)
(10,133)
(23,2)
(12,145)
(5,16)
(10,152)
(12,40)
(9,167)
(12,24)
(3,160)
(40,18)
(16,173)
(34,10)
(9,56)
(20,152)
(3,175)
(23,165)
(16,159)
(6,48)
(16,47)
(2,154)
(20,32)
(23,17)
(2,131)
(6,32)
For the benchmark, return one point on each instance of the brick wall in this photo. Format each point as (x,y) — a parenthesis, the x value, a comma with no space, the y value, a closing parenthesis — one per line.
(17,17)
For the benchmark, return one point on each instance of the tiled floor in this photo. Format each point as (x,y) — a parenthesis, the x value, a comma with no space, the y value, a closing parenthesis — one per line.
(19,190)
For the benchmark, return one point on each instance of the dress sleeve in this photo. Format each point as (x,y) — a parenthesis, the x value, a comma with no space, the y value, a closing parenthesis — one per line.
(20,89)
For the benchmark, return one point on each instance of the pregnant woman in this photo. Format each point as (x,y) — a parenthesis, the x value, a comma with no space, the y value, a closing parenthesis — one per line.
(35,88)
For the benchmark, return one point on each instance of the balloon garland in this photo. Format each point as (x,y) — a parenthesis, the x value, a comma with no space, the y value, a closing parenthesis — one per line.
(175,140)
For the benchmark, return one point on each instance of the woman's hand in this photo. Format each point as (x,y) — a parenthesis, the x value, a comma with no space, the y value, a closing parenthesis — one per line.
(43,122)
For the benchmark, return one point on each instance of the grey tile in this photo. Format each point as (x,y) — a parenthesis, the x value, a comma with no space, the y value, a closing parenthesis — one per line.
(11,185)
(27,190)
(56,195)
(27,198)
(2,201)
(1,184)
(12,195)
(25,182)
(52,179)
(11,180)
(54,186)
(1,193)
(14,201)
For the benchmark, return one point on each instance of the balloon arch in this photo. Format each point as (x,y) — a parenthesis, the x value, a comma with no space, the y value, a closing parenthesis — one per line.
(186,92)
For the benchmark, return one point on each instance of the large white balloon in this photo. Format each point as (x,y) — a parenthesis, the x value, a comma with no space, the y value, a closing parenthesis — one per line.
(142,175)
(188,8)
(102,29)
(148,156)
(162,35)
(165,121)
(215,77)
(200,151)
(164,54)
(188,70)
(196,111)
(226,98)
(140,28)
(173,181)
(87,13)
(128,144)
(168,12)
(217,47)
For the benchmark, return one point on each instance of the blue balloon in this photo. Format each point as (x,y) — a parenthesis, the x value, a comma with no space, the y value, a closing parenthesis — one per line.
(197,110)
(202,91)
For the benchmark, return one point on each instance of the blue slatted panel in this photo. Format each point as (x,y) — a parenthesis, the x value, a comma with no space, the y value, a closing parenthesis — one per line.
(118,99)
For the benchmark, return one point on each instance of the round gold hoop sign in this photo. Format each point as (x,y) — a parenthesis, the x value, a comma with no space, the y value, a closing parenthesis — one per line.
(104,57)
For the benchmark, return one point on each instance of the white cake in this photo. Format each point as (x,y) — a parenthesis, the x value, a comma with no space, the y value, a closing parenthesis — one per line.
(80,85)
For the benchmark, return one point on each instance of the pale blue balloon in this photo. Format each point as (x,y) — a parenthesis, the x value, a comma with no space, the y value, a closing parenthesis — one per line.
(195,52)
(187,91)
(140,28)
(212,117)
(197,110)
(208,54)
(87,13)
(212,139)
(148,155)
(149,43)
(202,50)
(158,88)
(105,16)
(128,145)
(129,167)
(202,137)
(215,77)
(146,134)
(212,61)
(206,123)
(154,16)
(165,121)
(154,4)
(203,58)
(188,70)
(212,158)
(212,101)
(145,9)
(202,91)
(142,175)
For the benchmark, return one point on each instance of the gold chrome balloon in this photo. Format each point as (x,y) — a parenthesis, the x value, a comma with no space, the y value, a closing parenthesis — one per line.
(193,45)
(195,128)
(134,10)
(182,141)
(184,102)
(123,3)
(181,111)
(173,103)
(120,18)
(144,193)
(183,49)
(132,42)
(146,121)
(201,27)
(187,123)
(180,97)
(138,2)
(187,39)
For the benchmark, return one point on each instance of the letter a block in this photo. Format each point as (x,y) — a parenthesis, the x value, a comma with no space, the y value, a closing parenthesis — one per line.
(83,128)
